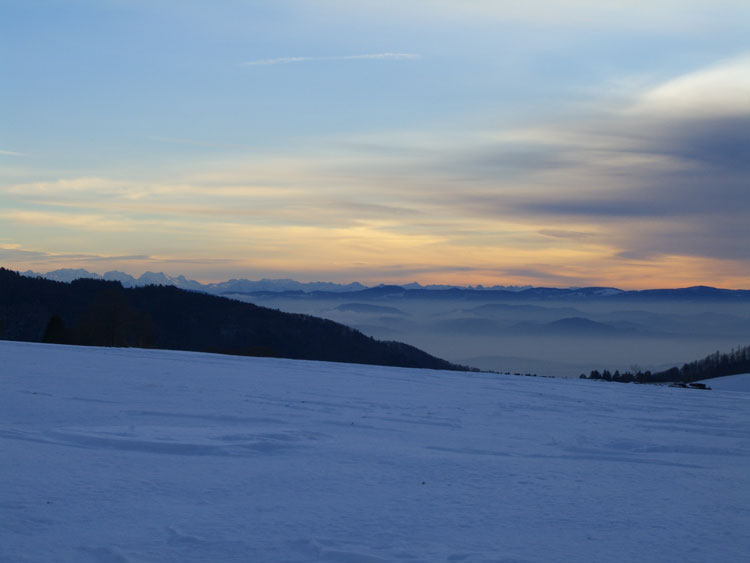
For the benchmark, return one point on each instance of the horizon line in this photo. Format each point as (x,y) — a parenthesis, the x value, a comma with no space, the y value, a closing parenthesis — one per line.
(518,287)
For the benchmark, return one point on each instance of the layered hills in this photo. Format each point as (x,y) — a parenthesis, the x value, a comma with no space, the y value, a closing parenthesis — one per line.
(356,290)
(104,313)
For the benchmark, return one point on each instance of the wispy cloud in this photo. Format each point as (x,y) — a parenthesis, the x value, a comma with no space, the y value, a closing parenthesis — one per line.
(11,153)
(369,56)
(17,253)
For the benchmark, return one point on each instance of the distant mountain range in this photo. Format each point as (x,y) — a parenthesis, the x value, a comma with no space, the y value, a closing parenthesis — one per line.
(322,290)
(237,285)
(230,286)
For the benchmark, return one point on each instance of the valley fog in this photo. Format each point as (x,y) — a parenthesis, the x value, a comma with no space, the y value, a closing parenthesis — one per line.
(556,338)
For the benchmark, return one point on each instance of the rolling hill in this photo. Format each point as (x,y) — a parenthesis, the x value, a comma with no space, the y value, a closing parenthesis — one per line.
(103,313)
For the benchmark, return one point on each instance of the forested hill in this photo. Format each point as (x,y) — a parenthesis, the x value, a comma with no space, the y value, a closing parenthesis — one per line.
(103,313)
(715,365)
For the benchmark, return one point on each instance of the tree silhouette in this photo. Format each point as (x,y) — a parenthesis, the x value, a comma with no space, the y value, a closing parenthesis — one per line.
(55,332)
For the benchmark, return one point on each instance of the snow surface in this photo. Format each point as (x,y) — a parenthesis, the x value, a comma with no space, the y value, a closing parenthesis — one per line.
(117,455)
(739,382)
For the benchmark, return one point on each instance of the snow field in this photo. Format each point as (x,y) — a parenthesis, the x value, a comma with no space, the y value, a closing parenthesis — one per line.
(739,382)
(124,455)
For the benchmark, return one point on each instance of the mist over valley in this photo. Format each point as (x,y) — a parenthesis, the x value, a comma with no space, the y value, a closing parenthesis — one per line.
(560,332)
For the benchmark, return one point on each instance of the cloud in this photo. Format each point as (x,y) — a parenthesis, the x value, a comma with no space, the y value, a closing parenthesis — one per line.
(722,89)
(13,253)
(650,188)
(78,221)
(540,276)
(565,234)
(11,153)
(667,172)
(370,56)
(85,184)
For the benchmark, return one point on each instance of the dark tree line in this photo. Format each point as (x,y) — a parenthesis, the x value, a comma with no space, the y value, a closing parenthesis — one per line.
(103,313)
(714,365)
(633,376)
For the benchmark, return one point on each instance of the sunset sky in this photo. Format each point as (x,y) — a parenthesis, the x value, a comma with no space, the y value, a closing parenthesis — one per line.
(564,143)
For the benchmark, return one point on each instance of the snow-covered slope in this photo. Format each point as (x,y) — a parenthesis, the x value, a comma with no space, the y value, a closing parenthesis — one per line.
(739,382)
(116,455)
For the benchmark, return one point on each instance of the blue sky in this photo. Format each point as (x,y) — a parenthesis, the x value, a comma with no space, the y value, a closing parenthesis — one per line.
(552,143)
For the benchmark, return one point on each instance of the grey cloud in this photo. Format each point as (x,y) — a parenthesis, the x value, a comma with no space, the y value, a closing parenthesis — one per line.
(9,255)
(698,197)
(726,238)
(514,160)
(657,185)
(720,143)
(601,209)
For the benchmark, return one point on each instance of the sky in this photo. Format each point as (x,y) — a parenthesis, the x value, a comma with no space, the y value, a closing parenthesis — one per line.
(477,142)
